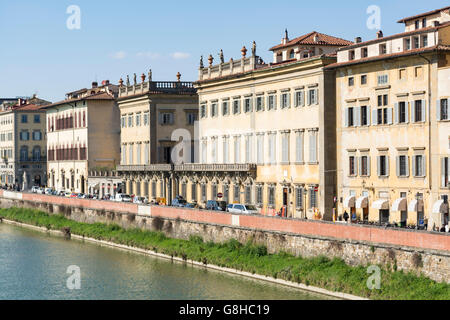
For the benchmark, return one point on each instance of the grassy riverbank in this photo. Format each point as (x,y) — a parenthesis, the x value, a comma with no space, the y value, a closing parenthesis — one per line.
(333,275)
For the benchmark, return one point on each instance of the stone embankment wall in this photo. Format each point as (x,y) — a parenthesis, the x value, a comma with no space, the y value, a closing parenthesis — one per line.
(418,251)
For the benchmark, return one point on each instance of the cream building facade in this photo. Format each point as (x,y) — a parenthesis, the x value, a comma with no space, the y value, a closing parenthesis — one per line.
(276,118)
(154,115)
(22,145)
(82,135)
(393,125)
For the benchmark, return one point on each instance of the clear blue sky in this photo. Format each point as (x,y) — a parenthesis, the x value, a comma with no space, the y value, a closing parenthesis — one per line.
(39,54)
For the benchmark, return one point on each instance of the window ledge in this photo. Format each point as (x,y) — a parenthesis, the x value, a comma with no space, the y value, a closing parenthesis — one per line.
(313,162)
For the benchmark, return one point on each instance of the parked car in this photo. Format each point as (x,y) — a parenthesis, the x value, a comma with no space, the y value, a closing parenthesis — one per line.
(34,189)
(140,200)
(216,205)
(179,202)
(81,196)
(242,208)
(191,205)
(120,197)
(48,191)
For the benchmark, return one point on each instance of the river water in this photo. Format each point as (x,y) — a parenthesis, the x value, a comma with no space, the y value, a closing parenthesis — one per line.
(34,265)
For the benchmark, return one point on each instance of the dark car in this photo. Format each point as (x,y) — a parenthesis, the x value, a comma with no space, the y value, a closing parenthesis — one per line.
(179,202)
(214,205)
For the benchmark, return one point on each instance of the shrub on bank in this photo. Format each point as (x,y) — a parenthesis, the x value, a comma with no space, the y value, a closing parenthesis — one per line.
(331,274)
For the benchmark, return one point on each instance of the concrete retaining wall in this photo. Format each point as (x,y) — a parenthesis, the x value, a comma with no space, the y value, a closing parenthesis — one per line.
(421,252)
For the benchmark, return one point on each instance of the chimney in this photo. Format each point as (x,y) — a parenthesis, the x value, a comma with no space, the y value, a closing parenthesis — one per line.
(105,82)
(358,40)
(379,34)
(94,84)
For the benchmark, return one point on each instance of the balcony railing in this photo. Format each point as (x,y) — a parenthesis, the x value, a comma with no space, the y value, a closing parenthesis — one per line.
(215,167)
(172,87)
(143,168)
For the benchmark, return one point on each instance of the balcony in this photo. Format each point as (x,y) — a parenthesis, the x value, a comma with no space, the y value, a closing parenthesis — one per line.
(216,167)
(144,168)
(169,87)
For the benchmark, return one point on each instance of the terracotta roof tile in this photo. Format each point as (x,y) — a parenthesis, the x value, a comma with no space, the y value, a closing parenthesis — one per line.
(422,15)
(389,56)
(97,96)
(309,39)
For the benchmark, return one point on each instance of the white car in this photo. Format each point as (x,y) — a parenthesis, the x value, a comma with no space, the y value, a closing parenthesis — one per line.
(35,189)
(48,191)
(123,197)
(242,208)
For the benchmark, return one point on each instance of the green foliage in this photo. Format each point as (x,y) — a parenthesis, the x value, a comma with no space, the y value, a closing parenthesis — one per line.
(332,274)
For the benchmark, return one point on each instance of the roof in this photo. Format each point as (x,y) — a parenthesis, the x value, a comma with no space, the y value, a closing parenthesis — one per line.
(97,96)
(309,39)
(397,35)
(27,107)
(422,15)
(389,56)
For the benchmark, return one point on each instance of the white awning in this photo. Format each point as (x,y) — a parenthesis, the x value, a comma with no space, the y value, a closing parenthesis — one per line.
(440,207)
(362,202)
(400,204)
(415,206)
(349,202)
(381,204)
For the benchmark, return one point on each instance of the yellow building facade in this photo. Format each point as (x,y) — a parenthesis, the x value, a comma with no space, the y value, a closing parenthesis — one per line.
(392,124)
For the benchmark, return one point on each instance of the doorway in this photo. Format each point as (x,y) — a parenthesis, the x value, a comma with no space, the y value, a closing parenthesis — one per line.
(384,216)
(285,201)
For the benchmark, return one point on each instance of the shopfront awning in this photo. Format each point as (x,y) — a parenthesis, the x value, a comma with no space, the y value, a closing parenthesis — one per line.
(400,204)
(349,202)
(381,204)
(415,205)
(362,202)
(440,207)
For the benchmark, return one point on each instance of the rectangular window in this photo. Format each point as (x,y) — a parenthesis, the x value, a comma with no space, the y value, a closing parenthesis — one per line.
(383,166)
(418,71)
(402,166)
(285,103)
(37,118)
(138,120)
(191,118)
(237,150)
(402,112)
(352,166)
(443,110)
(194,192)
(225,149)
(383,49)
(259,195)
(299,147)
(37,136)
(247,105)
(213,109)
(351,81)
(382,79)
(248,149)
(259,103)
(260,149)
(419,166)
(285,148)
(225,109)
(418,109)
(408,44)
(203,111)
(146,118)
(24,118)
(248,194)
(313,147)
(123,122)
(166,118)
(236,106)
(364,112)
(402,74)
(364,53)
(271,195)
(312,198)
(445,172)
(425,40)
(351,55)
(364,166)
(350,117)
(363,79)
(300,98)
(272,148)
(130,120)
(271,102)
(313,96)
(299,198)
(204,192)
